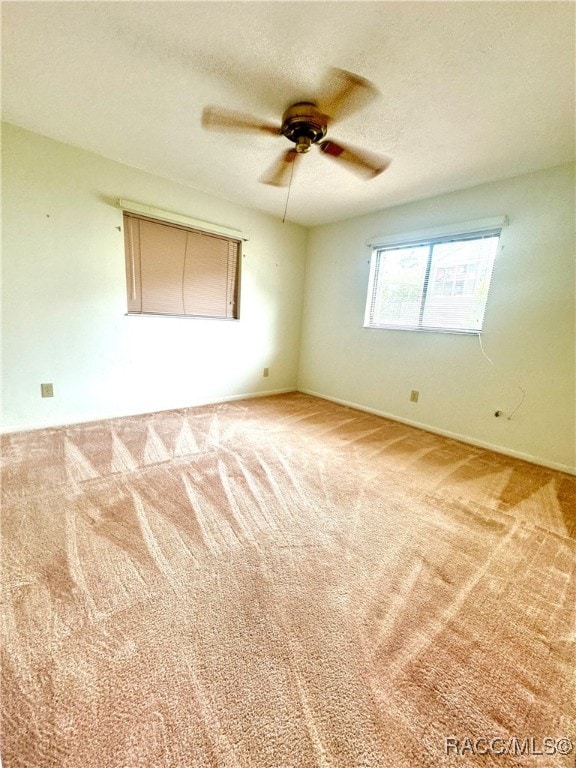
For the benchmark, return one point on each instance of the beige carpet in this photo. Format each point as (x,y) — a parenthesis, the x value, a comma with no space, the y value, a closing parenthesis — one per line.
(281,583)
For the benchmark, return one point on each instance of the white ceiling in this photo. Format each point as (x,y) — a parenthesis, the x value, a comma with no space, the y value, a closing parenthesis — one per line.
(471,91)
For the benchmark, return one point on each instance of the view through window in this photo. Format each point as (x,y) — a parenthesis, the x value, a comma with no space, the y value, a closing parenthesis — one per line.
(438,284)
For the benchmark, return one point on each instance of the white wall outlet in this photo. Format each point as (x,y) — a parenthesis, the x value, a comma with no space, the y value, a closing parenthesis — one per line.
(47,390)
(414,395)
(266,372)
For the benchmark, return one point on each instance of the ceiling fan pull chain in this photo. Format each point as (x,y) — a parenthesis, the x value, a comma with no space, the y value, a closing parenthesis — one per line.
(288,193)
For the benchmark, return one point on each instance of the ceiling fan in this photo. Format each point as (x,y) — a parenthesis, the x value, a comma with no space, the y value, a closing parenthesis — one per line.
(306,123)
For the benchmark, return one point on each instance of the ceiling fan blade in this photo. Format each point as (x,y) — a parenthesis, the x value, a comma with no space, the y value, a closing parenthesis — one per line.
(359,161)
(278,175)
(217,119)
(345,93)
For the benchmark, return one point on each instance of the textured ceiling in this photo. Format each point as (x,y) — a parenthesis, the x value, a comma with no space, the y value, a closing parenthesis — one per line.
(471,91)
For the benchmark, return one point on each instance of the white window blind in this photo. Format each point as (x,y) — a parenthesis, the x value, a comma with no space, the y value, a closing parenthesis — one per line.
(439,284)
(174,270)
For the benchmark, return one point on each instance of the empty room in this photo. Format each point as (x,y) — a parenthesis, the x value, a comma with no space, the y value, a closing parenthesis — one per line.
(288,384)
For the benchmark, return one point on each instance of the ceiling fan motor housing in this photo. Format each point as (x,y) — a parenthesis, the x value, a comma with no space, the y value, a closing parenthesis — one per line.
(304,124)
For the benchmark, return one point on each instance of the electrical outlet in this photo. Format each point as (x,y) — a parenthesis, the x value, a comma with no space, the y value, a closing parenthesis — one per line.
(47,390)
(266,372)
(414,395)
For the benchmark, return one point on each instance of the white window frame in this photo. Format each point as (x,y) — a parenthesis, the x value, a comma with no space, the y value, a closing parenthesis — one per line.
(378,244)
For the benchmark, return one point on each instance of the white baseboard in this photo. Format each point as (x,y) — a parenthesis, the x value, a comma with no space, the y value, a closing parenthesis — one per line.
(446,433)
(9,429)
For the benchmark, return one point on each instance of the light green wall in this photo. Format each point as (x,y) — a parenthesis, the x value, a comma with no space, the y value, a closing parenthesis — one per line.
(64,295)
(529,330)
(64,309)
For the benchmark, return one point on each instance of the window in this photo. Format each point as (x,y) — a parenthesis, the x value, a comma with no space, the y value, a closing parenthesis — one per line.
(432,284)
(175,270)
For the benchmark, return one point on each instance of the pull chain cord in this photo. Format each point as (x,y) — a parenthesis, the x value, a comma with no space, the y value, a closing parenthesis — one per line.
(289,188)
(484,353)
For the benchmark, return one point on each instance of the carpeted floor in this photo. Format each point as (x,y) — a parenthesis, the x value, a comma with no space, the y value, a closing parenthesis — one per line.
(282,583)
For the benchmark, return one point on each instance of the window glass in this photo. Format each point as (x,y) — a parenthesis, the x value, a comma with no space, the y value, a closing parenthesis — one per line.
(436,285)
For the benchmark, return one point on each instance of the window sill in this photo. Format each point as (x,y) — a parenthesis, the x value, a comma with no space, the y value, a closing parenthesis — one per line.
(418,329)
(183,317)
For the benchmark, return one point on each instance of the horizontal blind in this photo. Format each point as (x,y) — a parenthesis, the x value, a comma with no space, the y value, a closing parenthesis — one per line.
(162,255)
(232,283)
(440,284)
(205,276)
(458,283)
(171,217)
(397,292)
(173,270)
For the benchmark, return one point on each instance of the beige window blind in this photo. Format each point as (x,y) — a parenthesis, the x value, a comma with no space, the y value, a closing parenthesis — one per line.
(174,270)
